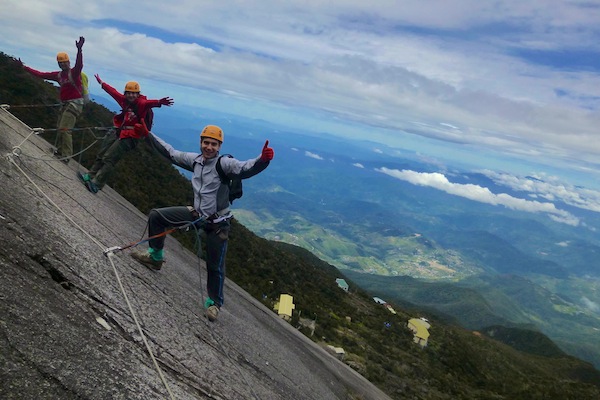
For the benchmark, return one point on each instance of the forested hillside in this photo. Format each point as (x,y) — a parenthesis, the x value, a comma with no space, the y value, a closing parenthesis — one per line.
(457,363)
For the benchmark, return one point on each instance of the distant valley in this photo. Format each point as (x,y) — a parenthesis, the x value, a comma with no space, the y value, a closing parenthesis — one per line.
(324,194)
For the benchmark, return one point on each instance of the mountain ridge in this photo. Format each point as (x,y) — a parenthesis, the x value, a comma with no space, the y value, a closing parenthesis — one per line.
(66,327)
(46,260)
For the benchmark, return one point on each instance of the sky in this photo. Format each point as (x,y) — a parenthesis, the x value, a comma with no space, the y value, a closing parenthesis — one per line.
(507,86)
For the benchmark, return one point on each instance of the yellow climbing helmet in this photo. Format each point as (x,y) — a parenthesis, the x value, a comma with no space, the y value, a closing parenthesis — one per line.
(213,132)
(62,57)
(132,86)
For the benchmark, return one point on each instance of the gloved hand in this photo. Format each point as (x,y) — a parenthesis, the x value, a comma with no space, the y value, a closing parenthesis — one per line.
(80,42)
(98,79)
(166,101)
(141,129)
(267,153)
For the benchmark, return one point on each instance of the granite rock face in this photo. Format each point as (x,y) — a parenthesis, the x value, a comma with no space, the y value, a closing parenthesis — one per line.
(67,330)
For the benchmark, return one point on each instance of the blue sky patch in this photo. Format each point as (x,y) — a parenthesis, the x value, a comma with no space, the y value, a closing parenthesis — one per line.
(154,32)
(569,60)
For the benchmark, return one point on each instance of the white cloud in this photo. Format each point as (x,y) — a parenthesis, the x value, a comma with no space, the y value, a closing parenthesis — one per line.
(312,155)
(593,306)
(550,188)
(358,165)
(480,194)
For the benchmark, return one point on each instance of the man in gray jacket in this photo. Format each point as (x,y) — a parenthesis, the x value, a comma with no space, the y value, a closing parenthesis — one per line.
(211,205)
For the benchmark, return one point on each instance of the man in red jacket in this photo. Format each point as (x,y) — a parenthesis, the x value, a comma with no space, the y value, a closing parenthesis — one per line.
(135,107)
(71,96)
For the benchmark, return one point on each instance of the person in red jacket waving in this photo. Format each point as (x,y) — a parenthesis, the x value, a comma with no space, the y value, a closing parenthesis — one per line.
(71,96)
(135,108)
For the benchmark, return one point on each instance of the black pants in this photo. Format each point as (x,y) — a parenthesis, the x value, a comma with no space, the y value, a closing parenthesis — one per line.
(111,151)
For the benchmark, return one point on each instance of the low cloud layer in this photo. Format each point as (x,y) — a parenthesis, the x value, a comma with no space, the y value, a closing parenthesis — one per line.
(481,194)
(549,188)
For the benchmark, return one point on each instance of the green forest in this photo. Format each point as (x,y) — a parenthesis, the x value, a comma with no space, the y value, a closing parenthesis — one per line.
(495,363)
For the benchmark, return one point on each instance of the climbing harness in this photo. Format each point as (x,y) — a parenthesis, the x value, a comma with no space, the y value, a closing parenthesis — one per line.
(185,226)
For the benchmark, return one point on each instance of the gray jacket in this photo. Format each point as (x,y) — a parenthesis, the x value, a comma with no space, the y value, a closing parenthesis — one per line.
(211,196)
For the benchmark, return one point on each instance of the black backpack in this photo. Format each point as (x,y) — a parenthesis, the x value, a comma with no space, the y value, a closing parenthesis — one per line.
(234,184)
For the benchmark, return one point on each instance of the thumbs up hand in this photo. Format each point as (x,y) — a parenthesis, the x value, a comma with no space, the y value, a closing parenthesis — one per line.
(267,153)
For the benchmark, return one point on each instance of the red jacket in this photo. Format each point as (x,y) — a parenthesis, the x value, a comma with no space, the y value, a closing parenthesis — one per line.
(133,113)
(68,91)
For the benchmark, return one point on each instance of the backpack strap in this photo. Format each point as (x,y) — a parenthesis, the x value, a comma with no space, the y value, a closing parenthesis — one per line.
(224,178)
(72,82)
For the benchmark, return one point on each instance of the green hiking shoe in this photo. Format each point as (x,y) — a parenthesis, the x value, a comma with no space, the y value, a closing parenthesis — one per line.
(209,302)
(86,179)
(83,177)
(147,260)
(92,187)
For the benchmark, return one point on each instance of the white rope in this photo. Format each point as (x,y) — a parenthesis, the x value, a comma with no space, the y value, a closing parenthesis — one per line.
(8,106)
(162,377)
(139,328)
(110,253)
(17,149)
(17,152)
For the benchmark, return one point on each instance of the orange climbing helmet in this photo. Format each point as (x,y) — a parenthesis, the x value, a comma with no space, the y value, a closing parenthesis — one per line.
(213,132)
(132,86)
(62,57)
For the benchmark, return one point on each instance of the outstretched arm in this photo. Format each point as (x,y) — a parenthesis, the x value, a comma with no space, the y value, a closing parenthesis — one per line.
(114,93)
(51,76)
(165,101)
(182,159)
(249,168)
(79,59)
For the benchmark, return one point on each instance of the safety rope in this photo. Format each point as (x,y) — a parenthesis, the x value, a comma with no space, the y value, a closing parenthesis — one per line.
(16,150)
(185,225)
(94,240)
(98,128)
(8,106)
(110,252)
